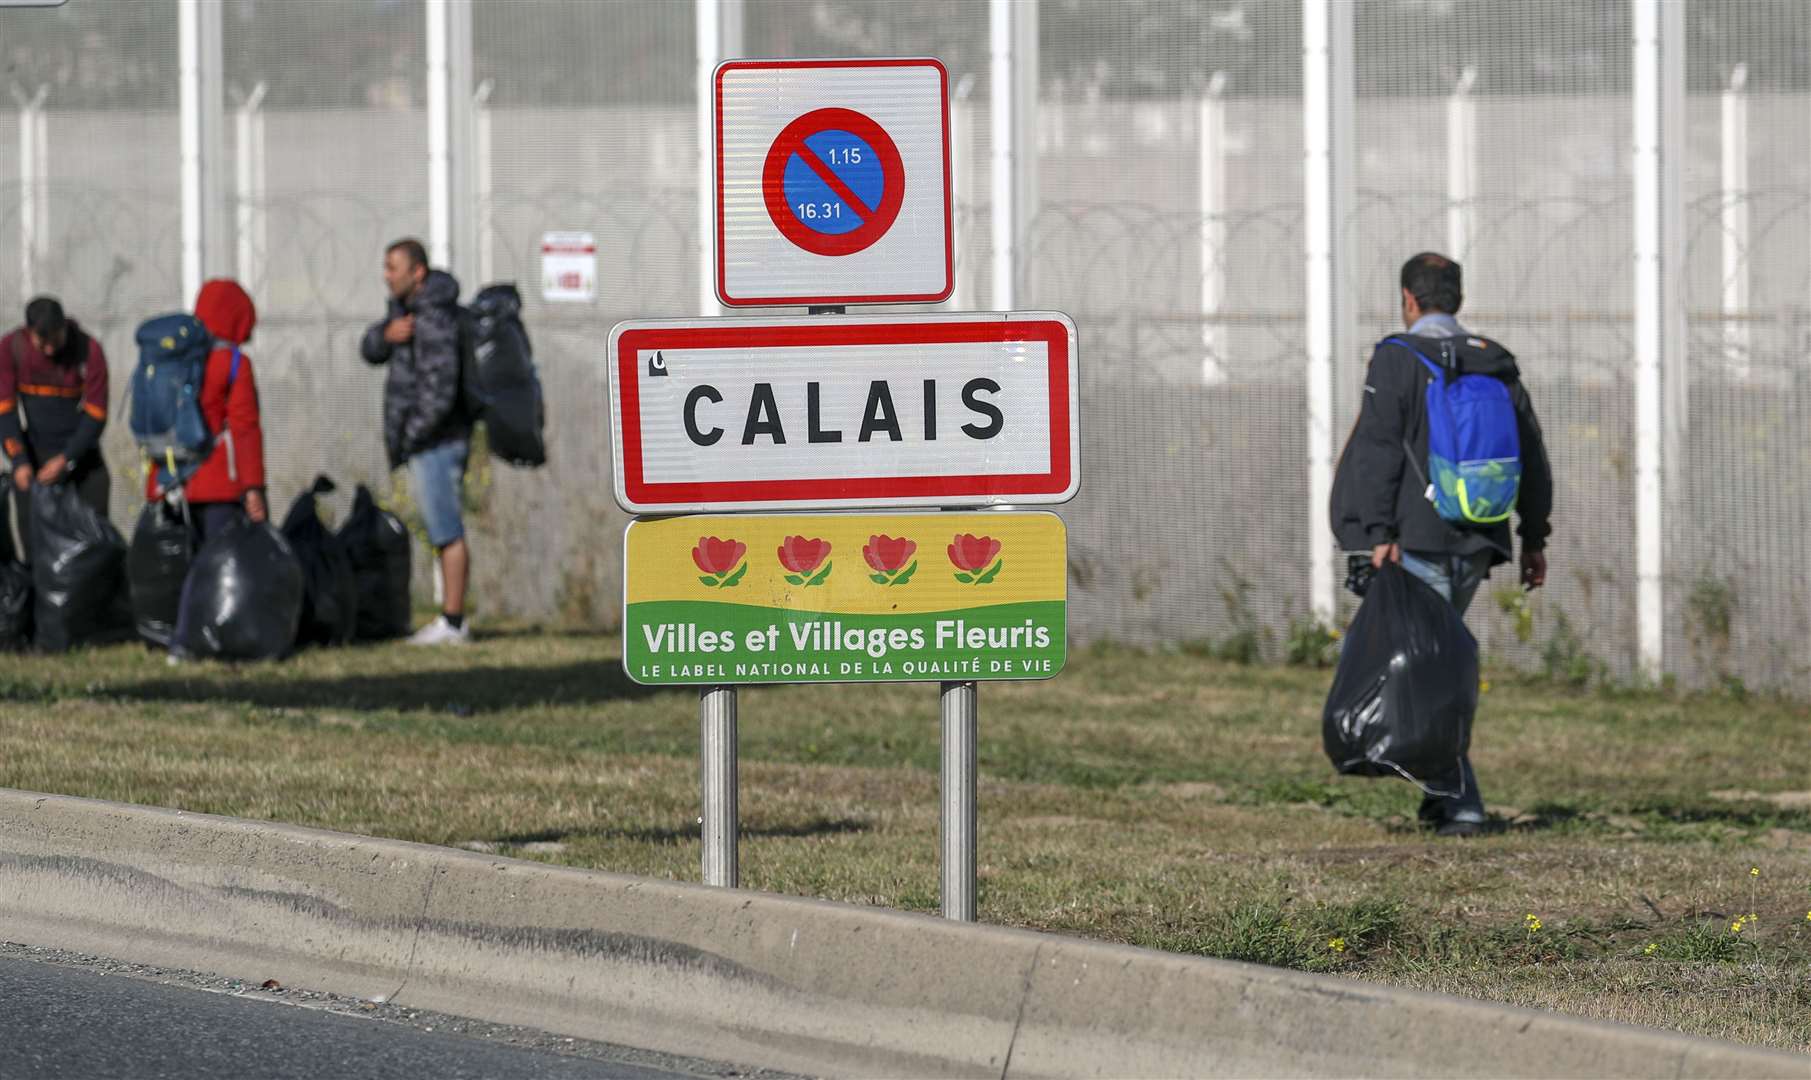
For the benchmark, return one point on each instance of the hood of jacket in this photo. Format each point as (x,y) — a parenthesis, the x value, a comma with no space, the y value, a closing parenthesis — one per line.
(438,289)
(225,309)
(1467,354)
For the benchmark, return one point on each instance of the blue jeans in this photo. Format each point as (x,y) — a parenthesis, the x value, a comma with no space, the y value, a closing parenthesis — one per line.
(438,476)
(1456,578)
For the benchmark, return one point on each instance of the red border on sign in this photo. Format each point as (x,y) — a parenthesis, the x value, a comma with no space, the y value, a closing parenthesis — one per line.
(792,141)
(634,343)
(949,234)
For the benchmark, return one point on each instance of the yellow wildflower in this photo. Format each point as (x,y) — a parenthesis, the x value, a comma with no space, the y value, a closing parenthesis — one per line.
(1652,948)
(1754,871)
(1532,923)
(1337,944)
(1484,686)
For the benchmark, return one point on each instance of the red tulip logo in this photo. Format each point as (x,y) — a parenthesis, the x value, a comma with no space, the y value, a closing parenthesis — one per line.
(886,556)
(803,557)
(974,558)
(721,560)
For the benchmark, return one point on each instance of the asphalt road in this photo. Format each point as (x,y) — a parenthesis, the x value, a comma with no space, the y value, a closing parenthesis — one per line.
(86,1019)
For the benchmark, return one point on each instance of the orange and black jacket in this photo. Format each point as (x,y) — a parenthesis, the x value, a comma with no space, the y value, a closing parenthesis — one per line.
(62,399)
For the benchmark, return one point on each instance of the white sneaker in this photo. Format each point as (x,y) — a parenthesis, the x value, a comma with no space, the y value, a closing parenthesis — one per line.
(441,632)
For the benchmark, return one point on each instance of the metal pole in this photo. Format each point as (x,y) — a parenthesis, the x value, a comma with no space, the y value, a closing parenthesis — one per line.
(1013,68)
(1649,239)
(1326,98)
(719,37)
(248,161)
(960,708)
(1736,344)
(440,191)
(199,75)
(481,180)
(34,188)
(1213,228)
(1461,166)
(717,781)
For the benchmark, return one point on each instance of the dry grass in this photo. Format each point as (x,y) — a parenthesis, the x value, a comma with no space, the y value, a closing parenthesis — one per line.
(1157,799)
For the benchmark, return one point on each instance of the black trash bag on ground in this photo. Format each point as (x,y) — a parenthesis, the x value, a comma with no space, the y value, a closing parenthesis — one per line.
(377,544)
(163,546)
(15,606)
(78,573)
(243,598)
(1406,687)
(509,389)
(329,589)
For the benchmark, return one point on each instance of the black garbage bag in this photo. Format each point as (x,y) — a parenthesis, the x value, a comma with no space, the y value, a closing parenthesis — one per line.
(509,389)
(163,546)
(377,545)
(243,597)
(329,589)
(78,573)
(1406,687)
(15,606)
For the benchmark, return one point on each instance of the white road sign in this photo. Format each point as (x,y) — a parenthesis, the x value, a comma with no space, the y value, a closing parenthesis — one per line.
(568,267)
(844,411)
(833,182)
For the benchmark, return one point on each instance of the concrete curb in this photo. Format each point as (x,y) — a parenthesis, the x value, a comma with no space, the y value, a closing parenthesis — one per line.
(801,985)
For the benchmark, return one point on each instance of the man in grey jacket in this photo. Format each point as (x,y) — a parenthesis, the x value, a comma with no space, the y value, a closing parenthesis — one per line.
(426,423)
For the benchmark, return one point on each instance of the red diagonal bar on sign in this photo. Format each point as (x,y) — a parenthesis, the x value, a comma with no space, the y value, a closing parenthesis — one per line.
(809,157)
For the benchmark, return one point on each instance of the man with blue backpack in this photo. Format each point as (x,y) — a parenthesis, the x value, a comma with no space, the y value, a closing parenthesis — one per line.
(1446,451)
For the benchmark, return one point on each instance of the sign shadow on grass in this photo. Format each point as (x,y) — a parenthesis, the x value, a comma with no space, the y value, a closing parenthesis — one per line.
(462,692)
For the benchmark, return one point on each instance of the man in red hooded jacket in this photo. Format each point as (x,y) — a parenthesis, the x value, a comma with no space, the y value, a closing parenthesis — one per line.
(231,479)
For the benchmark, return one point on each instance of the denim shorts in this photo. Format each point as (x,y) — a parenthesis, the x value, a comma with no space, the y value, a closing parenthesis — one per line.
(438,476)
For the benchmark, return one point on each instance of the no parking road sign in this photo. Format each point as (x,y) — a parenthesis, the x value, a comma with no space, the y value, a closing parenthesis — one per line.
(833,182)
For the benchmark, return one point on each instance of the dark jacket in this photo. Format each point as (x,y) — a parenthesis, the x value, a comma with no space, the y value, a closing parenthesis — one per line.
(1380,490)
(63,399)
(423,407)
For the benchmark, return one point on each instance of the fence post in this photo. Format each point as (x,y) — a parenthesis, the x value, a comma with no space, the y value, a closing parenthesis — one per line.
(1212,141)
(719,37)
(199,75)
(1327,107)
(249,177)
(34,187)
(450,233)
(1660,359)
(1461,166)
(482,196)
(1012,27)
(1737,343)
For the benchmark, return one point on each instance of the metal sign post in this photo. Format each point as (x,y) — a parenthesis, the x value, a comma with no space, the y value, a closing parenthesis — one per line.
(718,782)
(956,827)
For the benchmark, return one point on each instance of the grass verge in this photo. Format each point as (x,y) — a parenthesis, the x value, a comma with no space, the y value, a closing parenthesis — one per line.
(1163,800)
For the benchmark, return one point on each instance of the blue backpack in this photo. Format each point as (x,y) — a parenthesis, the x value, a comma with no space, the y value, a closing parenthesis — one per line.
(166,417)
(1474,447)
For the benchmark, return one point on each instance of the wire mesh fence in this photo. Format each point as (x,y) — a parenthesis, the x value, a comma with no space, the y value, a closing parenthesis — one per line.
(1169,222)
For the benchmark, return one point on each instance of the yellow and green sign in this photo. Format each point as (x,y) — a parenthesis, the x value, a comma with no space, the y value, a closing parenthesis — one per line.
(785,598)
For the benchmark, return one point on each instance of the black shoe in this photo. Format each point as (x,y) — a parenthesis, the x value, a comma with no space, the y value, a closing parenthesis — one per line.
(1432,812)
(1459,828)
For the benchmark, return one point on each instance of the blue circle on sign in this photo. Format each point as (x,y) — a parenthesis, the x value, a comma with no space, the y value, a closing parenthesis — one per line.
(839,188)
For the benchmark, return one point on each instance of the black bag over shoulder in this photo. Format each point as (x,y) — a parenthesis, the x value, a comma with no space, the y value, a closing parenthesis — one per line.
(1406,687)
(329,589)
(163,546)
(502,372)
(15,607)
(243,597)
(78,572)
(377,545)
